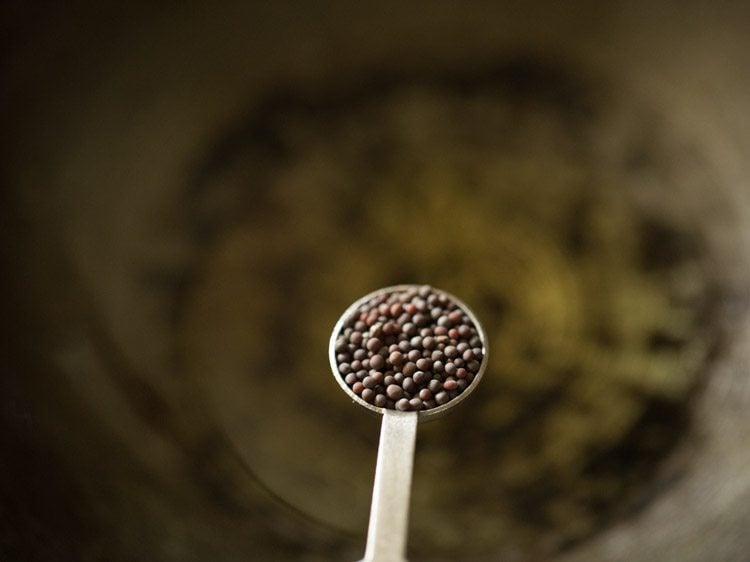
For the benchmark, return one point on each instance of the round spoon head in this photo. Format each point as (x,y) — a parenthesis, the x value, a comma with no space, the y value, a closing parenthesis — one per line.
(408,348)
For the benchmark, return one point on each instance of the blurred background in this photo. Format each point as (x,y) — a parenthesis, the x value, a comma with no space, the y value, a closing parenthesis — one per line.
(192,193)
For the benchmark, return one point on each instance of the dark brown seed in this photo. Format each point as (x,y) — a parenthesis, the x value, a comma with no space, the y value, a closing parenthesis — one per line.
(396,358)
(350,379)
(409,369)
(368,395)
(394,391)
(377,362)
(435,386)
(464,331)
(356,365)
(442,397)
(450,384)
(425,394)
(453,334)
(461,373)
(428,404)
(403,405)
(345,368)
(356,338)
(468,355)
(398,377)
(409,329)
(424,364)
(388,380)
(396,309)
(416,343)
(373,344)
(437,367)
(450,369)
(409,385)
(462,384)
(358,387)
(451,351)
(360,354)
(429,342)
(377,376)
(473,366)
(419,377)
(380,400)
(455,316)
(404,346)
(369,382)
(421,319)
(415,404)
(341,345)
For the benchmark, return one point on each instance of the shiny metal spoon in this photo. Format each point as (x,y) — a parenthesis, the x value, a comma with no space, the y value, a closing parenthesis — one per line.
(389,512)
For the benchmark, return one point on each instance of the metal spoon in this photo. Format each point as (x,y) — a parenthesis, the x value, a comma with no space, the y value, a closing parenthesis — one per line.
(389,512)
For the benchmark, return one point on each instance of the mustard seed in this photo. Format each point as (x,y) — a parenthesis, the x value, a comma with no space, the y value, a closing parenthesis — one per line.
(394,392)
(373,344)
(450,384)
(403,405)
(377,362)
(424,364)
(409,385)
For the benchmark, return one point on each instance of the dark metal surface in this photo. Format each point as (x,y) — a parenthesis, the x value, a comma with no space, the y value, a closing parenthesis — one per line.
(190,195)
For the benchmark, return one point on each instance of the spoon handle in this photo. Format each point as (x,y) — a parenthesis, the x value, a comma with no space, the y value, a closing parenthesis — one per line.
(389,513)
